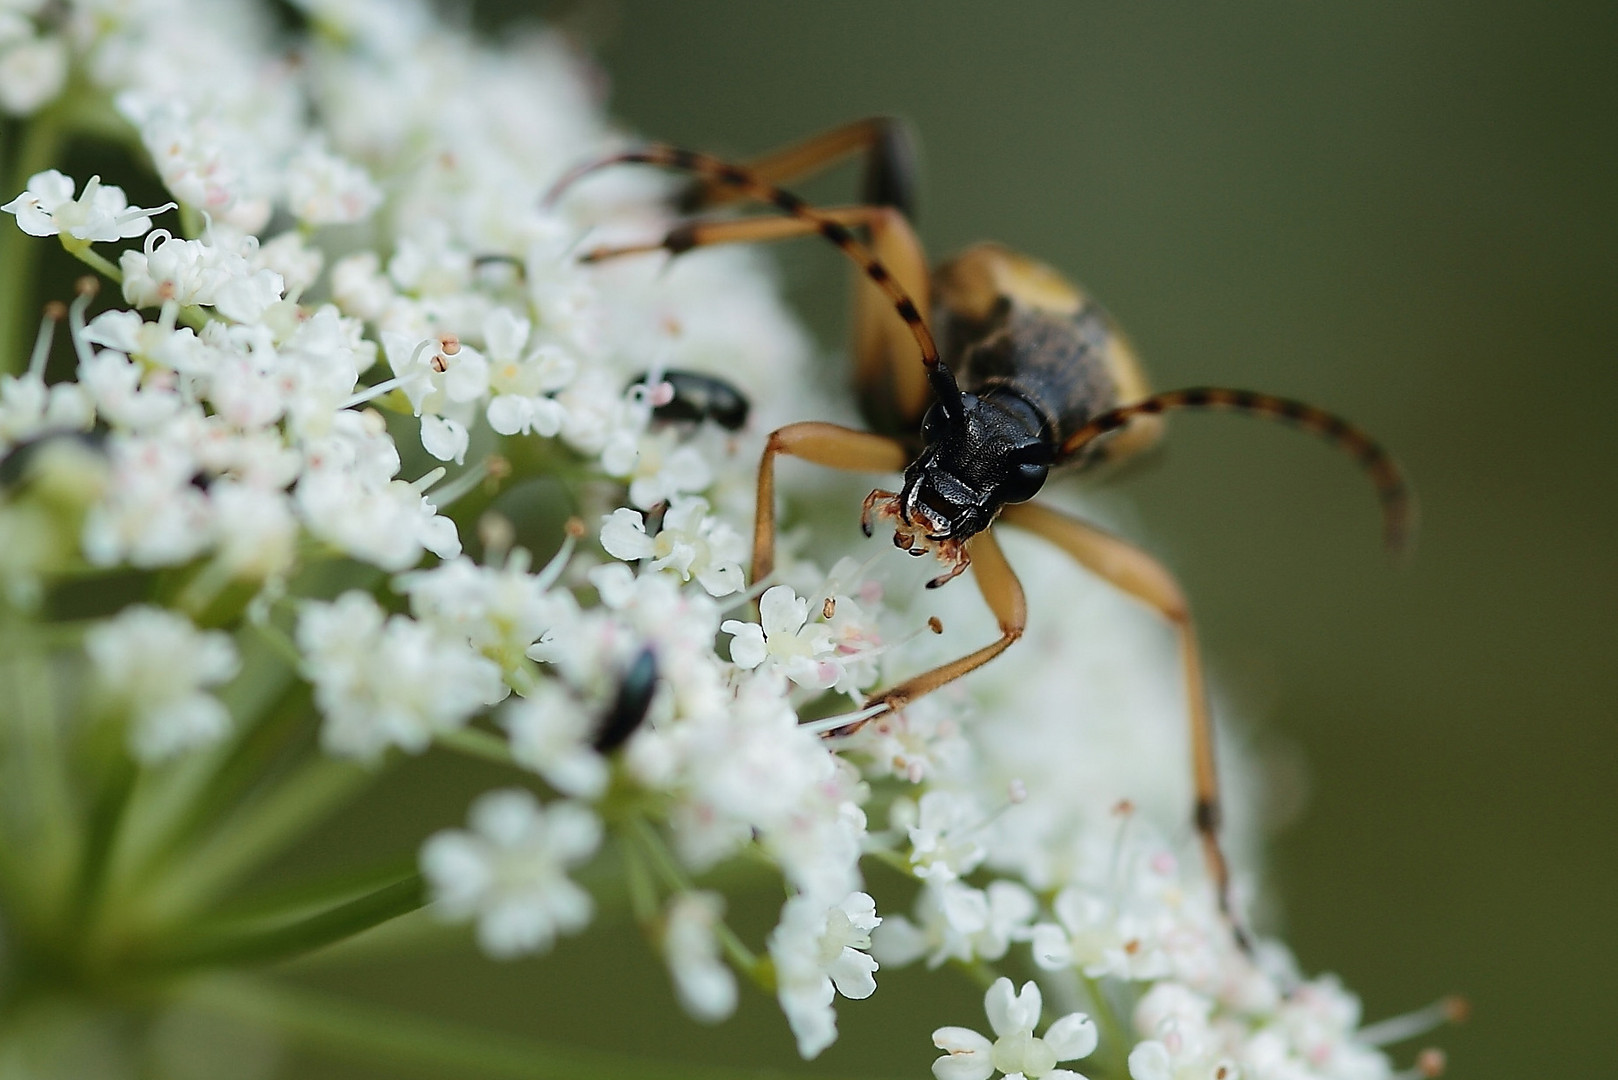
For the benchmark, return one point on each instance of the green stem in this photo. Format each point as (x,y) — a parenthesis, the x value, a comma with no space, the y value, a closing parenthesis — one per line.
(251,836)
(238,948)
(482,745)
(106,817)
(277,639)
(173,804)
(1115,1040)
(893,860)
(368,1035)
(39,821)
(281,905)
(416,933)
(642,890)
(81,250)
(204,587)
(677,880)
(980,973)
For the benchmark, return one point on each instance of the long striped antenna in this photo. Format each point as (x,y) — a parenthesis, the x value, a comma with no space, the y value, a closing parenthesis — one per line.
(740,178)
(1398,501)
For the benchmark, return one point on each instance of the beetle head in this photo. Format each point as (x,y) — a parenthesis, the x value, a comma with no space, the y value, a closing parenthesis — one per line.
(979,454)
(987,452)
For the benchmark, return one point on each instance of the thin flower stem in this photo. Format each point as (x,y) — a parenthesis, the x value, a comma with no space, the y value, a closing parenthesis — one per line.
(203,588)
(483,745)
(284,904)
(892,860)
(369,1035)
(446,494)
(278,640)
(677,880)
(100,834)
(182,800)
(416,933)
(980,973)
(255,833)
(642,890)
(762,972)
(81,250)
(1115,1038)
(239,948)
(39,839)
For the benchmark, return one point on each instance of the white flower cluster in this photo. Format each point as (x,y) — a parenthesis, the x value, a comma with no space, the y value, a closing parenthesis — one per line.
(235,430)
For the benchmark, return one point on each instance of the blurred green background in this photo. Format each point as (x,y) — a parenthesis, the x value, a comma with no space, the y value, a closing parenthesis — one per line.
(1404,213)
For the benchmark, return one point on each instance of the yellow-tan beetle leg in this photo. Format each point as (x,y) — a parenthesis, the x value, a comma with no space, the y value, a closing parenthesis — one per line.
(889,168)
(706,232)
(891,385)
(1003,593)
(1140,575)
(824,444)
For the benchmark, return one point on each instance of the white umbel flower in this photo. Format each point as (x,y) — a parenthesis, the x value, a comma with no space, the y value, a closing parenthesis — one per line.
(958,922)
(816,949)
(155,664)
(32,72)
(1016,1051)
(522,378)
(509,871)
(325,189)
(691,543)
(550,734)
(101,212)
(501,611)
(215,271)
(707,988)
(943,836)
(663,467)
(797,648)
(383,681)
(1180,1040)
(29,408)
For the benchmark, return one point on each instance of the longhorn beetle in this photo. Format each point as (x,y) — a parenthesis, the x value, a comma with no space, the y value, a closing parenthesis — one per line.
(1020,373)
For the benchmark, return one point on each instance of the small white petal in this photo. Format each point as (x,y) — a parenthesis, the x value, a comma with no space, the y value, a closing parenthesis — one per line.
(1051,947)
(509,413)
(1007,1009)
(1150,1061)
(781,611)
(1073,1036)
(444,439)
(854,974)
(722,580)
(969,1056)
(623,534)
(747,648)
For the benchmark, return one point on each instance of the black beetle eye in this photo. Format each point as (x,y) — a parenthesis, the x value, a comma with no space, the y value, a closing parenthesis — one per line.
(1024,481)
(933,424)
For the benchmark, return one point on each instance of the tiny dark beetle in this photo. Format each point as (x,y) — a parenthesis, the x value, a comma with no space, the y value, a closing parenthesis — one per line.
(695,397)
(629,708)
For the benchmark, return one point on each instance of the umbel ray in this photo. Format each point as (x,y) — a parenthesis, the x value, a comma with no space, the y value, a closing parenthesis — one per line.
(1020,373)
